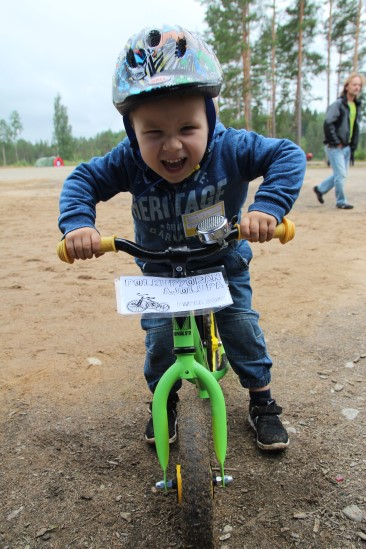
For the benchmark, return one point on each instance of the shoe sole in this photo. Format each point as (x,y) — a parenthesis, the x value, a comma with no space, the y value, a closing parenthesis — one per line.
(269,447)
(172,439)
(319,196)
(151,441)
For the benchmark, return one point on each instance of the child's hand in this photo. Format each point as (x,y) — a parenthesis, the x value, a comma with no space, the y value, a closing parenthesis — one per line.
(257,226)
(83,243)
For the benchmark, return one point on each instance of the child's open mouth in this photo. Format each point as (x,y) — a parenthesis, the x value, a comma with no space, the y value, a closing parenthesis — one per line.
(174,165)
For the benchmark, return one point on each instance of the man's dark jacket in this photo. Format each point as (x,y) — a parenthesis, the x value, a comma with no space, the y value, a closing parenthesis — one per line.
(337,124)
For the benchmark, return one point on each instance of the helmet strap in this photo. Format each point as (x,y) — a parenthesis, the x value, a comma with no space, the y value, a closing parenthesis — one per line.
(211,117)
(130,132)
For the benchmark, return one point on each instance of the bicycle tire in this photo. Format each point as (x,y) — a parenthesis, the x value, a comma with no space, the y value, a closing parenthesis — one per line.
(196,475)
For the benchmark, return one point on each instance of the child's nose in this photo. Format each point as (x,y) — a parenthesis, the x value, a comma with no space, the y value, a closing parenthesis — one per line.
(172,144)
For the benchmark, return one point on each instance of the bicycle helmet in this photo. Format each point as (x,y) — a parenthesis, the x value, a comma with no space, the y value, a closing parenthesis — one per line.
(158,61)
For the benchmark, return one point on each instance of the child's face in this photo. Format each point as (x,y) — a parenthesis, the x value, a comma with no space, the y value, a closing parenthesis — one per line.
(172,135)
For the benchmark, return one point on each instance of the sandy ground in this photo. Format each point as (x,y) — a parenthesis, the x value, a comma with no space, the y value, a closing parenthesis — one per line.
(75,471)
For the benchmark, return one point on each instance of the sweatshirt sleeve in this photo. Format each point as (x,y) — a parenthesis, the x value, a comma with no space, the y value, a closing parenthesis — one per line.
(330,124)
(282,165)
(92,182)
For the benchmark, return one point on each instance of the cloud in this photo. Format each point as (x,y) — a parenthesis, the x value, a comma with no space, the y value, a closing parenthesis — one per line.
(71,48)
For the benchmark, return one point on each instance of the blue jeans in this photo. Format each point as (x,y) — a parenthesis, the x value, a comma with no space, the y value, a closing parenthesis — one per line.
(241,335)
(339,159)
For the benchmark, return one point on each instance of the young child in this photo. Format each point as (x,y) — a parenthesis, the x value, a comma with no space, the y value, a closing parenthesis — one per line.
(177,160)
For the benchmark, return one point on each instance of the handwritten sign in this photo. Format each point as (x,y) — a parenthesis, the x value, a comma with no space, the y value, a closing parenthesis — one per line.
(161,296)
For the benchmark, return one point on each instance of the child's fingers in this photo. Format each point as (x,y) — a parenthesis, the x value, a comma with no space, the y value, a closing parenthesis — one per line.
(257,227)
(83,243)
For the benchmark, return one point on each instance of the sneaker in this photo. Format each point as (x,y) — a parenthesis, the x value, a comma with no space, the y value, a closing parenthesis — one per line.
(319,195)
(172,422)
(345,206)
(264,418)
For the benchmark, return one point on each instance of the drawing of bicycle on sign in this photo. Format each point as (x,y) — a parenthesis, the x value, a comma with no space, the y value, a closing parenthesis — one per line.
(146,302)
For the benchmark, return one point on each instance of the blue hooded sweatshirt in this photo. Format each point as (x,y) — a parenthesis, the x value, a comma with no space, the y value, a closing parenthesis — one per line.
(163,212)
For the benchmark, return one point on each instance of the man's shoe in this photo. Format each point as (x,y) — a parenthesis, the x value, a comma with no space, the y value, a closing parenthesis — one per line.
(172,422)
(345,206)
(319,195)
(264,418)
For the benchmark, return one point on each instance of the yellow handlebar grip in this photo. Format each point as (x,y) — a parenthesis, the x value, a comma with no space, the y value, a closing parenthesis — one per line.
(285,231)
(62,252)
(107,244)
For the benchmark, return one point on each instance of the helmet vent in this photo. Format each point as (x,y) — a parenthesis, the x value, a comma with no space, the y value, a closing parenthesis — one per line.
(130,58)
(153,38)
(181,47)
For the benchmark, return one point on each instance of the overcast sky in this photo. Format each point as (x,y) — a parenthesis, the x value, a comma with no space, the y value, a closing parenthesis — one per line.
(70,48)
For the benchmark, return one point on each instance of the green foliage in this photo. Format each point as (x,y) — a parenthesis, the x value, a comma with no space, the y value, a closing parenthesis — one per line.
(16,128)
(16,125)
(83,149)
(5,136)
(62,130)
(343,29)
(98,145)
(9,133)
(313,135)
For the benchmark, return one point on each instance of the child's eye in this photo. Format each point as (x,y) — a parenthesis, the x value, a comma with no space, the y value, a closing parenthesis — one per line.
(153,132)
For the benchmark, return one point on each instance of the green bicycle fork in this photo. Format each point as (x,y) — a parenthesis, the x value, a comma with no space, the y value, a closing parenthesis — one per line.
(187,367)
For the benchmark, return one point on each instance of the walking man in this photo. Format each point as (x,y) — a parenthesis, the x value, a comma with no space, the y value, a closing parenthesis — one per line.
(341,132)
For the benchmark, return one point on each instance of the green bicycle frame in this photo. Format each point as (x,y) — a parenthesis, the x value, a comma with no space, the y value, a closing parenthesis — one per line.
(190,364)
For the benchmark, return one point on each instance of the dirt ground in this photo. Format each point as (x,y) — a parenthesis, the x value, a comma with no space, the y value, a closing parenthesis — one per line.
(75,471)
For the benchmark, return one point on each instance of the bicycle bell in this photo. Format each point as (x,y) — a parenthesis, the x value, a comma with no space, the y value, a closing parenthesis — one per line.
(213,230)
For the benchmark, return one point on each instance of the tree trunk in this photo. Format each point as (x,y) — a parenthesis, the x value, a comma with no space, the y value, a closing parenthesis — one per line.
(357,36)
(4,155)
(329,46)
(273,73)
(247,96)
(298,107)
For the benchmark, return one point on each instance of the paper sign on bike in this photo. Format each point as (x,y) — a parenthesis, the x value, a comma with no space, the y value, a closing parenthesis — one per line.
(163,296)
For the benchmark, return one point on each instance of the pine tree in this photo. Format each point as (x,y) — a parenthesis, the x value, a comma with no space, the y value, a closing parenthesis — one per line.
(5,137)
(300,60)
(264,72)
(349,37)
(62,130)
(16,128)
(231,23)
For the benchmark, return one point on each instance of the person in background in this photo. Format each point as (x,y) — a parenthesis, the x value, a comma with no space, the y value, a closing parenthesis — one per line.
(341,132)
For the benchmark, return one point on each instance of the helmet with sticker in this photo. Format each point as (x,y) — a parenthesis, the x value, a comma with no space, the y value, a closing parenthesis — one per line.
(159,61)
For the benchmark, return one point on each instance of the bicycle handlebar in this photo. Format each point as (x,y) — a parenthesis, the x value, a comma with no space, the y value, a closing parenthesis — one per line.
(285,232)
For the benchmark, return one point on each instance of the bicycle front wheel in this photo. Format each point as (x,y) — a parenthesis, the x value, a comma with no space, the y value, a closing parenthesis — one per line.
(194,476)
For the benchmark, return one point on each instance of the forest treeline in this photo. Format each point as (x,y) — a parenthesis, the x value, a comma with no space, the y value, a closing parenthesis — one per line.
(82,149)
(272,53)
